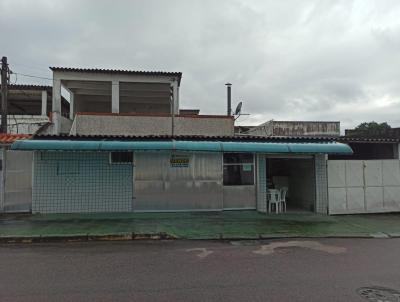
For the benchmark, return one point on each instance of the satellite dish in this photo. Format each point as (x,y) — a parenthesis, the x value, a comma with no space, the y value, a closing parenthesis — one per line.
(238,108)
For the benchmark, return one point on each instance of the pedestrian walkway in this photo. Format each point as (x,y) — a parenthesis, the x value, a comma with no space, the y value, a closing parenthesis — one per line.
(200,225)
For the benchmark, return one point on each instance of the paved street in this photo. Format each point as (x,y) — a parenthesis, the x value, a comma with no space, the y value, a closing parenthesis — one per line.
(285,270)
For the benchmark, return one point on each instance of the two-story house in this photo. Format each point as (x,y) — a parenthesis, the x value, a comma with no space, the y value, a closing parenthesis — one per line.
(128,146)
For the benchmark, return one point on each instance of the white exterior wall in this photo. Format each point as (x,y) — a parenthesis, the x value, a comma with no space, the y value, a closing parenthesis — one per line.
(363,186)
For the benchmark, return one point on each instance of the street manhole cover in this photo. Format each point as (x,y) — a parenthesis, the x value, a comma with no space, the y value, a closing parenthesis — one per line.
(379,294)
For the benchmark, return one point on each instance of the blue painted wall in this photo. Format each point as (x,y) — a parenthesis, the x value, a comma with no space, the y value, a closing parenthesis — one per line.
(85,182)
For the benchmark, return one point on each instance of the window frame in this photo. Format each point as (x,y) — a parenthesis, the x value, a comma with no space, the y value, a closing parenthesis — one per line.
(111,162)
(252,164)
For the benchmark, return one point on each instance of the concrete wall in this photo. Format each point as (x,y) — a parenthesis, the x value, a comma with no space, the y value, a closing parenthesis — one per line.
(65,125)
(67,182)
(296,128)
(26,124)
(151,125)
(212,126)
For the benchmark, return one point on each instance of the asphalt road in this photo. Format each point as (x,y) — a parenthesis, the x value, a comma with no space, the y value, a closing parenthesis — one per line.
(284,270)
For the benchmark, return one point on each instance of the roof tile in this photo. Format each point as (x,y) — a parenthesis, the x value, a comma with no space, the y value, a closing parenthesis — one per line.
(123,71)
(6,138)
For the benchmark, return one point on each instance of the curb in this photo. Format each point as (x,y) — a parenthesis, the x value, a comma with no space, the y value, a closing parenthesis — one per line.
(165,236)
(85,238)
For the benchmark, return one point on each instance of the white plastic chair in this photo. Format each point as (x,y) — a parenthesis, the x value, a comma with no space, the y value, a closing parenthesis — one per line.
(282,200)
(273,198)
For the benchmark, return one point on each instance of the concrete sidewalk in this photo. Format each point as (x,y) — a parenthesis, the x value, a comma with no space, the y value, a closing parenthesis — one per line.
(200,225)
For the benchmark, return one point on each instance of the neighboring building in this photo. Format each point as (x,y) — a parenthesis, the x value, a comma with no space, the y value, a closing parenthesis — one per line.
(242,129)
(384,133)
(29,108)
(369,148)
(296,128)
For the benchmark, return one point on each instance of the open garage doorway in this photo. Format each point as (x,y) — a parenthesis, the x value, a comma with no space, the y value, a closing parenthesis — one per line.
(297,175)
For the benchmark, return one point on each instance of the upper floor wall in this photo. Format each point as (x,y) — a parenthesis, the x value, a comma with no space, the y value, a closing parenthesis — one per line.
(128,124)
(119,102)
(116,91)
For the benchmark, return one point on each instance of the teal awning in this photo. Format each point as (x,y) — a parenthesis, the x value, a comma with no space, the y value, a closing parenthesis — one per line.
(207,146)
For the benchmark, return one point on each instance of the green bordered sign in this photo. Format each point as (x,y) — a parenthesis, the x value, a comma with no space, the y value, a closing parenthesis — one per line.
(179,161)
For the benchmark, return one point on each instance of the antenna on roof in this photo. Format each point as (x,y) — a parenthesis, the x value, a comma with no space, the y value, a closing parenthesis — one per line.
(238,111)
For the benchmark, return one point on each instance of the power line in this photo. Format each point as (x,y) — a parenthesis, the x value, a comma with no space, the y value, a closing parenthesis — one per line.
(32,67)
(16,78)
(30,76)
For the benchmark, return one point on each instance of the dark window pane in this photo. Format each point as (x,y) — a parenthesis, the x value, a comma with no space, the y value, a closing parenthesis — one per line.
(238,158)
(238,175)
(121,157)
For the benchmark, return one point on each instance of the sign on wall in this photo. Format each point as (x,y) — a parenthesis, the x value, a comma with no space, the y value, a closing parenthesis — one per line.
(179,161)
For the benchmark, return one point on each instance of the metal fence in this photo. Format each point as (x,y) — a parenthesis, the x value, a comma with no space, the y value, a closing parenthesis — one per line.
(17,181)
(363,186)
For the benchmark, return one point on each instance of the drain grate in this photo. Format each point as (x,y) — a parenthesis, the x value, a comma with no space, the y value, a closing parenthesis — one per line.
(379,294)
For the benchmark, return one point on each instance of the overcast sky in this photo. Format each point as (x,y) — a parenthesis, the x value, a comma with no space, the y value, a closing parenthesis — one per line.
(287,60)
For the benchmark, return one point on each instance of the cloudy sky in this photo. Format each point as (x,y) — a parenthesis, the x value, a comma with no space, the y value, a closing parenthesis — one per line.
(287,60)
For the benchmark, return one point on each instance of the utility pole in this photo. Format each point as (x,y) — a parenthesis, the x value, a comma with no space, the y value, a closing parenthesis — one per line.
(172,100)
(4,91)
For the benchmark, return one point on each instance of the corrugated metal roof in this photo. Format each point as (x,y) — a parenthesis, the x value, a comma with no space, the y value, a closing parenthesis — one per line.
(219,138)
(6,138)
(118,71)
(181,137)
(28,87)
(347,139)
